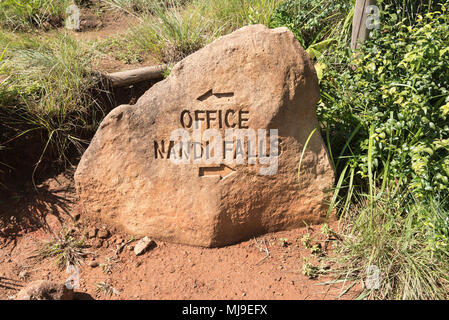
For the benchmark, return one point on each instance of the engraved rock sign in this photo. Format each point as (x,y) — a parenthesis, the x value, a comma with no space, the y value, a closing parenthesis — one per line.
(209,156)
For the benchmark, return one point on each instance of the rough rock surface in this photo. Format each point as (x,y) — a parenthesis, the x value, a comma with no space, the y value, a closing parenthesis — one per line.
(268,81)
(143,245)
(45,290)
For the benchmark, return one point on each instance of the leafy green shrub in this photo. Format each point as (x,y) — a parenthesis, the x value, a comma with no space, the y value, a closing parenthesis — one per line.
(383,111)
(312,21)
(410,9)
(397,85)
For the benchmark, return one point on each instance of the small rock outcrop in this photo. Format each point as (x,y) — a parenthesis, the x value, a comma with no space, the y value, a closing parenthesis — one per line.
(45,290)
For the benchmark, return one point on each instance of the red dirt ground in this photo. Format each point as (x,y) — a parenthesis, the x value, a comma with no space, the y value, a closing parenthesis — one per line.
(260,268)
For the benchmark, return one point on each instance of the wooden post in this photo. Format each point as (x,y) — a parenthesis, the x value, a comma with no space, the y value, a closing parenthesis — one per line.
(129,77)
(360,31)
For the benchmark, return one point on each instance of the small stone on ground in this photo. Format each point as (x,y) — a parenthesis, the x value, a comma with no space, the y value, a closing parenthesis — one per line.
(143,245)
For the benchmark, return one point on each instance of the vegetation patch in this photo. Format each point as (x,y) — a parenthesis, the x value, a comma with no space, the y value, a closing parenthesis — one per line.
(26,15)
(384,118)
(65,248)
(47,106)
(314,21)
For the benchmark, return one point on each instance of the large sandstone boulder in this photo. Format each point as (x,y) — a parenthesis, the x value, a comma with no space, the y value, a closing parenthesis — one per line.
(132,177)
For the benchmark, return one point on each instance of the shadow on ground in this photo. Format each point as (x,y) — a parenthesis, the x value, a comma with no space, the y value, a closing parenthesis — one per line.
(27,210)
